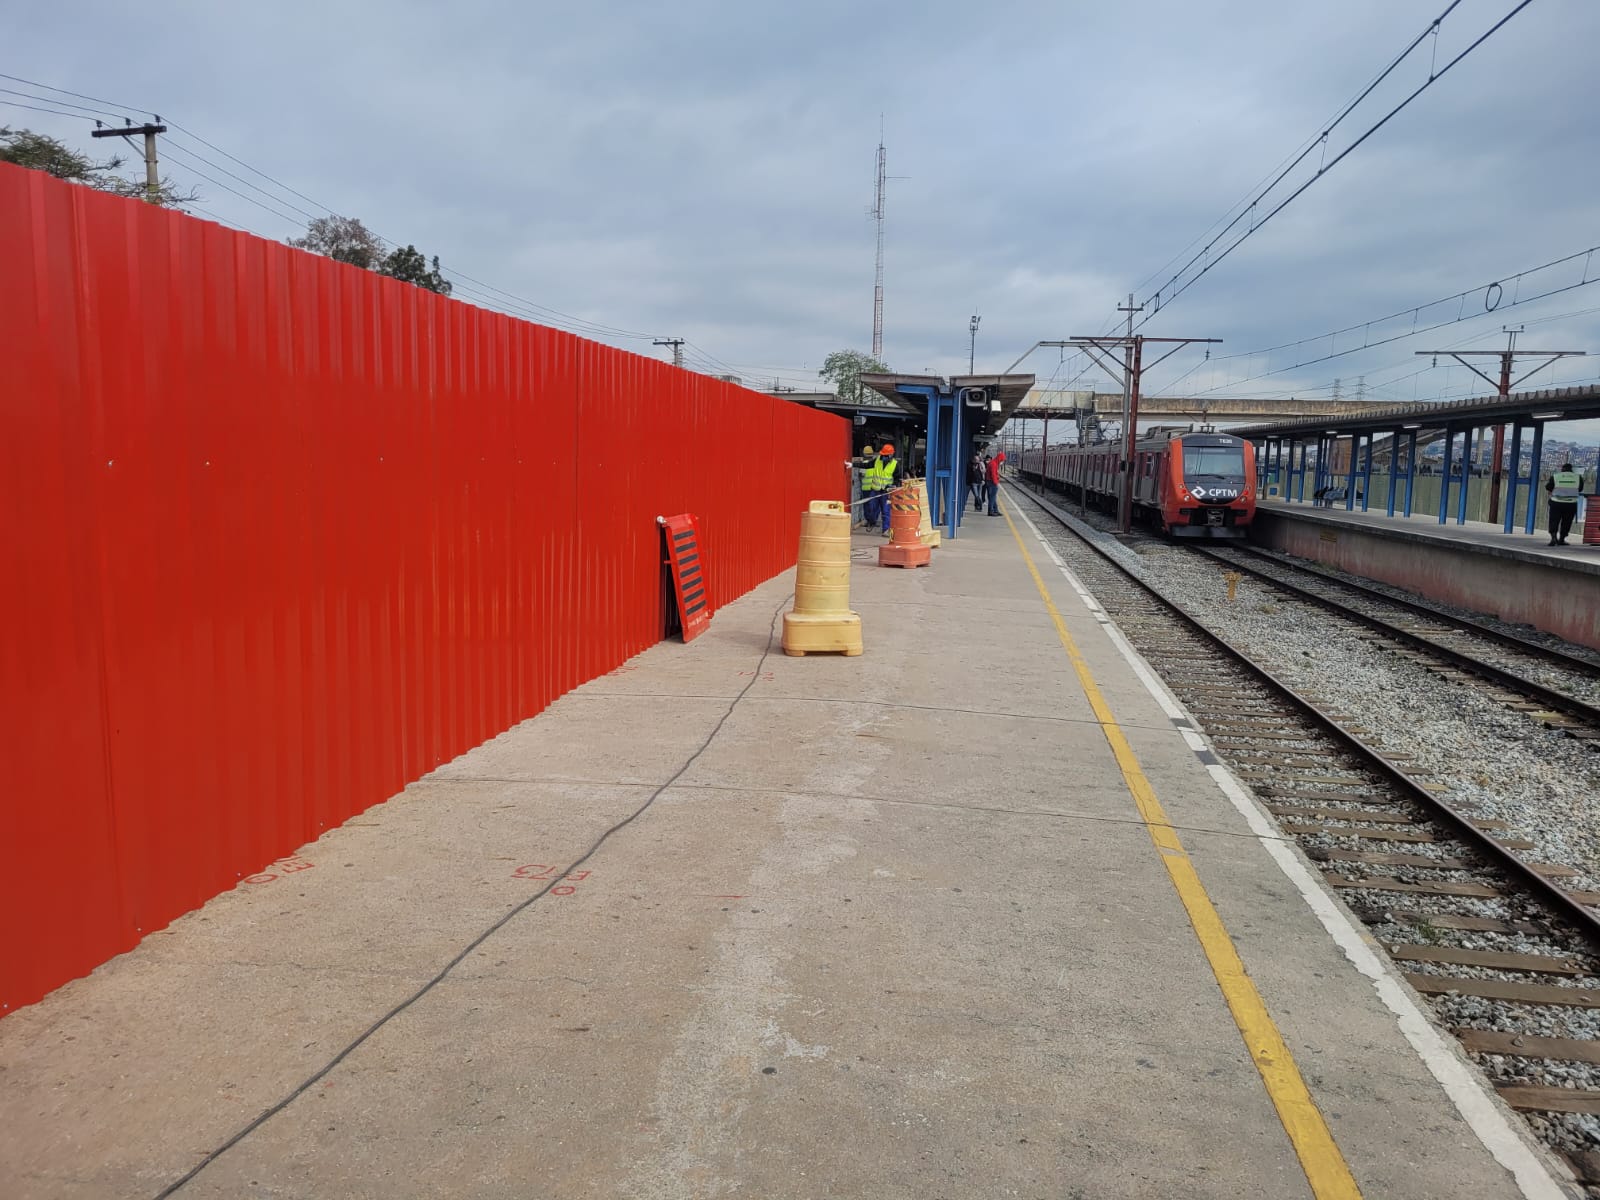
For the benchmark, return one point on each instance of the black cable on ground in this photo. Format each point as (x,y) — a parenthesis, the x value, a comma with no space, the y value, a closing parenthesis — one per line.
(322,1073)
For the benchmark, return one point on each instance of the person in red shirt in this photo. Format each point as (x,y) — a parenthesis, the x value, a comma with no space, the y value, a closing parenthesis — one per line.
(992,470)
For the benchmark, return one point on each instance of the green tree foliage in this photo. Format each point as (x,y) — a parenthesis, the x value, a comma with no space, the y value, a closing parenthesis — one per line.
(343,239)
(347,240)
(38,152)
(406,263)
(844,368)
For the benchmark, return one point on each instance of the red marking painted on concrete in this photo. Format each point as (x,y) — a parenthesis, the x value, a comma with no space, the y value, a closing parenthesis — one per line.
(284,866)
(539,872)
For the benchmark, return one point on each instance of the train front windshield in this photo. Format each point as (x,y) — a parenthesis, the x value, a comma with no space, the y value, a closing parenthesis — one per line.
(1213,462)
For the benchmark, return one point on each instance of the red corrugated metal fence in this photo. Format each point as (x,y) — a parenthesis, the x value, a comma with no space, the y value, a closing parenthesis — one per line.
(281,535)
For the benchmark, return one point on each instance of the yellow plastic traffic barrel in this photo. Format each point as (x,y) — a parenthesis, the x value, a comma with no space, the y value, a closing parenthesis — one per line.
(821,622)
(926,533)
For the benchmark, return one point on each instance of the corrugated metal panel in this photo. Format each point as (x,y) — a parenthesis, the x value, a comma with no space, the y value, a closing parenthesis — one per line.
(281,535)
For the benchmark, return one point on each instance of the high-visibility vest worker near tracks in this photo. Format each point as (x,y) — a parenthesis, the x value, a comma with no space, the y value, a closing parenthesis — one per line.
(882,474)
(1565,486)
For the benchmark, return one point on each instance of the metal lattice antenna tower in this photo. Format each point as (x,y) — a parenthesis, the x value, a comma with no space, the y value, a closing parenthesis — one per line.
(877,283)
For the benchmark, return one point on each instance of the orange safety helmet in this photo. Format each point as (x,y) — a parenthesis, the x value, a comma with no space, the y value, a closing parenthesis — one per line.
(887,449)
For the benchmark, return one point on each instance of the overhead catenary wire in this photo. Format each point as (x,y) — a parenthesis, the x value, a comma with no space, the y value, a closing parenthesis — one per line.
(1327,129)
(1256,225)
(1494,302)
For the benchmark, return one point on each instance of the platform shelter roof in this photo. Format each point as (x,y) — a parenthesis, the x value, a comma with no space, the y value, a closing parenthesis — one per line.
(910,391)
(1548,404)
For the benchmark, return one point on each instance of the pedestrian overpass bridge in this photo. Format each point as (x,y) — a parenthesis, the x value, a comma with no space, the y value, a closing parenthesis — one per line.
(1043,402)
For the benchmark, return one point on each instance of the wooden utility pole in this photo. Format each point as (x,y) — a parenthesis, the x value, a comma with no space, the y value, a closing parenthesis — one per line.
(1132,346)
(152,173)
(1502,387)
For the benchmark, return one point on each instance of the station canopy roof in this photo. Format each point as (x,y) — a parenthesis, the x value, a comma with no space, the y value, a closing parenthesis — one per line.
(1550,404)
(1009,390)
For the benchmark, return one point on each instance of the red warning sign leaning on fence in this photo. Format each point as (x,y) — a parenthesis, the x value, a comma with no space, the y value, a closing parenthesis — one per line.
(688,573)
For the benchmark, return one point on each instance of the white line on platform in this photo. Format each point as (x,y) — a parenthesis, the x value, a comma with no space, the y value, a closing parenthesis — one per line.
(1462,1084)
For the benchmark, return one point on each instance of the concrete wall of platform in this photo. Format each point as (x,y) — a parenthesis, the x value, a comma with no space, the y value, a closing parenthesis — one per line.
(1556,599)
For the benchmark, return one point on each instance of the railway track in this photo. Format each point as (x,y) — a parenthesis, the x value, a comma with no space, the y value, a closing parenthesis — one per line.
(1546,683)
(1505,947)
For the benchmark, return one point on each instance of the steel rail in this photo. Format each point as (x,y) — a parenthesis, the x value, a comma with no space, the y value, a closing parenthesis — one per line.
(1559,657)
(1557,701)
(1568,909)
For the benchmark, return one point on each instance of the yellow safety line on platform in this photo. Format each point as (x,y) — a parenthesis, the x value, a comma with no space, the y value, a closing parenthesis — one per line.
(1320,1158)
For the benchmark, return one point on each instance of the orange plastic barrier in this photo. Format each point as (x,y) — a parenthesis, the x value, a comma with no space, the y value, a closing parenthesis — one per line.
(905,548)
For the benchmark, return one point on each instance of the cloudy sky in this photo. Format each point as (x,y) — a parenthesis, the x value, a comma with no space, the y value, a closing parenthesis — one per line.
(704,169)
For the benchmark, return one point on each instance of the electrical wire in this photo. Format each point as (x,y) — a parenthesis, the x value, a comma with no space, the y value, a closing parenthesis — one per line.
(1493,304)
(55,111)
(87,112)
(243,196)
(489,295)
(123,108)
(176,148)
(1321,171)
(539,313)
(1249,203)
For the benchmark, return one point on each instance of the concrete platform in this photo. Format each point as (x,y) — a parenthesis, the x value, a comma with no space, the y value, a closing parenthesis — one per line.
(727,923)
(1516,576)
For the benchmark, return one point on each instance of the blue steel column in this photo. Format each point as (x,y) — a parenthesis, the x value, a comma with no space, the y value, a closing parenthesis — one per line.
(932,467)
(1466,480)
(1444,484)
(1350,478)
(1533,477)
(1515,474)
(1394,466)
(1411,466)
(947,404)
(1366,474)
(954,461)
(1300,473)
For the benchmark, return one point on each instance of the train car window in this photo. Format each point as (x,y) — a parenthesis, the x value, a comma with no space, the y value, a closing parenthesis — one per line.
(1221,462)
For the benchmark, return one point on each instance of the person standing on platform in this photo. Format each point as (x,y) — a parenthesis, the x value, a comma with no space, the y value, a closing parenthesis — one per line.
(975,483)
(858,509)
(994,482)
(1565,486)
(887,475)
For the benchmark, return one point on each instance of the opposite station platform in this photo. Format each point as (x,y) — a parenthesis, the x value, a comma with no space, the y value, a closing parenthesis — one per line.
(1515,576)
(972,914)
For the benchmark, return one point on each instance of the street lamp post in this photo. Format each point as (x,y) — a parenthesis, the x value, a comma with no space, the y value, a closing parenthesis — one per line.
(972,346)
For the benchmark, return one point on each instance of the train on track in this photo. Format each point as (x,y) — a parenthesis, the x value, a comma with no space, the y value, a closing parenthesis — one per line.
(1189,484)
